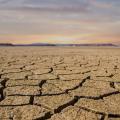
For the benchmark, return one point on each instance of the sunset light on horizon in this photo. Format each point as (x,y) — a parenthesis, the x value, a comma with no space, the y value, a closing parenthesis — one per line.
(59,21)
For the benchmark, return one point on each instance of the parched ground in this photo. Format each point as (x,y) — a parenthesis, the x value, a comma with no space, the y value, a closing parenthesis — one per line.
(59,83)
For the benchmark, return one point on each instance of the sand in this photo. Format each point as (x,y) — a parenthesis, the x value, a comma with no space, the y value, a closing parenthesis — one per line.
(59,83)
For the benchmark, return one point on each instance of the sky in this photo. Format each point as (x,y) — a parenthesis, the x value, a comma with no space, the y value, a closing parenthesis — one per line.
(60,21)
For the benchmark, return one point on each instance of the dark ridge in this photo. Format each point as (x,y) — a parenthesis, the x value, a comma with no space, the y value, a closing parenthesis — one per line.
(48,44)
(6,44)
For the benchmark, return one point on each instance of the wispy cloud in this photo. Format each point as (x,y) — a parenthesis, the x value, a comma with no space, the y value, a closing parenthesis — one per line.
(66,18)
(100,3)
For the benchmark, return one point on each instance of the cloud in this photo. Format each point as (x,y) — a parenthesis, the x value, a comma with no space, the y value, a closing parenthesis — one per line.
(62,9)
(45,6)
(66,18)
(99,4)
(4,1)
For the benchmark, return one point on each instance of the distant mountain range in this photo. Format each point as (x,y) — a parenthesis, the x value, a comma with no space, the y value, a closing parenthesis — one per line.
(47,44)
(6,44)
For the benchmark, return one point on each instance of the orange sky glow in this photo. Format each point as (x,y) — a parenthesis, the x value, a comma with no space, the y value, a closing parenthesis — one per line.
(59,21)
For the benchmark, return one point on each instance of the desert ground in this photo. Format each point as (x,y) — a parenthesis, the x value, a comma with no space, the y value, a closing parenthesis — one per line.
(59,83)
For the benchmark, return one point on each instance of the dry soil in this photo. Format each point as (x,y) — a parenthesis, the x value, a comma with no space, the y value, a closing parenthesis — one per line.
(59,83)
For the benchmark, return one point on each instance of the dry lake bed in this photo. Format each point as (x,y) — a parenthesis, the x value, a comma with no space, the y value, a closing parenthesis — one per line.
(59,83)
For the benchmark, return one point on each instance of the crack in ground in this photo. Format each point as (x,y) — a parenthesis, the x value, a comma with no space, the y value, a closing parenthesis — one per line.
(41,84)
(103,117)
(72,102)
(31,100)
(114,116)
(110,76)
(93,111)
(112,84)
(69,103)
(13,105)
(0,76)
(101,113)
(1,93)
(79,85)
(51,70)
(101,96)
(59,109)
(54,94)
(15,72)
(68,90)
(87,97)
(108,94)
(3,83)
(45,117)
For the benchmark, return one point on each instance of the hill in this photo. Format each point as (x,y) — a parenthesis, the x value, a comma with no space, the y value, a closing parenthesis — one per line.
(6,44)
(47,44)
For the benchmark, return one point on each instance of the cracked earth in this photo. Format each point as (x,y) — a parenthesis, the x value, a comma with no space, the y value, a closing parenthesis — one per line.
(55,83)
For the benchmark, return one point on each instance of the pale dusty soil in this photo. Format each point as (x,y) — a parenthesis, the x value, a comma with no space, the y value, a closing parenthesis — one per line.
(59,83)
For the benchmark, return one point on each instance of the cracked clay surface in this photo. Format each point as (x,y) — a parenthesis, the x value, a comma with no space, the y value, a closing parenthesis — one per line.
(59,83)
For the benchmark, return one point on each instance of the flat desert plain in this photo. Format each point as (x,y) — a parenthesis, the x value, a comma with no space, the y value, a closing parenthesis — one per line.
(59,83)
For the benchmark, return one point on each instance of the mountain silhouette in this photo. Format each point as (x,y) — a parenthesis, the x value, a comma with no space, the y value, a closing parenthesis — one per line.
(47,44)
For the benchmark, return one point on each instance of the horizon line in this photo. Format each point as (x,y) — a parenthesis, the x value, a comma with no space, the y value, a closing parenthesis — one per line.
(58,44)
